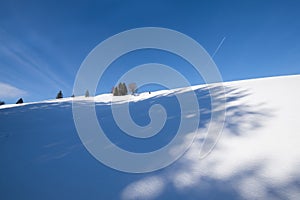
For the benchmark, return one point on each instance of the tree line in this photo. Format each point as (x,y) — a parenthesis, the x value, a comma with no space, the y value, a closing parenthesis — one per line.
(119,90)
(18,102)
(60,94)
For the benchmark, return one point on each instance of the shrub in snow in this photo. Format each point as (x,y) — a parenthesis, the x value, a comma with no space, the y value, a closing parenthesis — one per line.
(2,103)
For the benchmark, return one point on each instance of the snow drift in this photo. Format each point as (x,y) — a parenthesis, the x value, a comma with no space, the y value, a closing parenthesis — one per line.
(257,157)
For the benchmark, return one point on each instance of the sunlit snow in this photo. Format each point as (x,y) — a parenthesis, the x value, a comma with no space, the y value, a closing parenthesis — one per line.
(257,156)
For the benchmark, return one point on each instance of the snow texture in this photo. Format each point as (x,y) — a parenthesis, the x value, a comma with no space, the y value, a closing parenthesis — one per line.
(257,157)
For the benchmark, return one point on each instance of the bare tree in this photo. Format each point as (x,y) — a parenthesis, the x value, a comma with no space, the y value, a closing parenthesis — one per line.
(132,87)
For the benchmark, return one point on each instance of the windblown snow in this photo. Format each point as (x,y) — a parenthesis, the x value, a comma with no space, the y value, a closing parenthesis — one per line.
(257,156)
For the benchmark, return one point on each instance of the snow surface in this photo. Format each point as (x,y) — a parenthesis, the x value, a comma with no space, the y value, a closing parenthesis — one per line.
(257,157)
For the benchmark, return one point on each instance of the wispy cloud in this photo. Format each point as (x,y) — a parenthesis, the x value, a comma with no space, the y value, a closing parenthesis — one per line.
(23,53)
(8,91)
(32,61)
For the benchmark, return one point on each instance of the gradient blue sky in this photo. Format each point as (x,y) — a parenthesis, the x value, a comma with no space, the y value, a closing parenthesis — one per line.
(43,43)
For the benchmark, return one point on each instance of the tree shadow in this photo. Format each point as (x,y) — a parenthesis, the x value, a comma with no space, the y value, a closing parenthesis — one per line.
(42,156)
(190,178)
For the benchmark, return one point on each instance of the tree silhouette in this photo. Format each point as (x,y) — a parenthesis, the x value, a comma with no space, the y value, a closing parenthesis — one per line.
(20,101)
(112,90)
(87,93)
(59,95)
(116,91)
(125,89)
(120,90)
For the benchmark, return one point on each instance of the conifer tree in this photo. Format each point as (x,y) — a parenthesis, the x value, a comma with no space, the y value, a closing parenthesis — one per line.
(20,101)
(87,93)
(125,89)
(112,90)
(59,95)
(116,91)
(120,88)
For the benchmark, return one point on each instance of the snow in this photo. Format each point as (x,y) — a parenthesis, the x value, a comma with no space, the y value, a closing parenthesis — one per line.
(257,156)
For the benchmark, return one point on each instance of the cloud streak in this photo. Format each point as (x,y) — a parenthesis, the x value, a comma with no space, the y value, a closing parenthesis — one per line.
(8,91)
(22,53)
(33,62)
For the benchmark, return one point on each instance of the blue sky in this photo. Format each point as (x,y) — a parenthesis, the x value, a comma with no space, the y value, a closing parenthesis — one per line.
(43,43)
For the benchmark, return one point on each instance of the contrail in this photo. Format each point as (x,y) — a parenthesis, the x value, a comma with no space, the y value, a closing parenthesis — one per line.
(216,51)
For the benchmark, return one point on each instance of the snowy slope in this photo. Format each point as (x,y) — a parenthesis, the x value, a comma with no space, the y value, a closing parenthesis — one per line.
(257,157)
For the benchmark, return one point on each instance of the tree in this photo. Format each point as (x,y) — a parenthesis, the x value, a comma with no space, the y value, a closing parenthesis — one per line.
(133,88)
(20,101)
(121,89)
(112,90)
(116,91)
(59,95)
(125,89)
(87,93)
(2,103)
